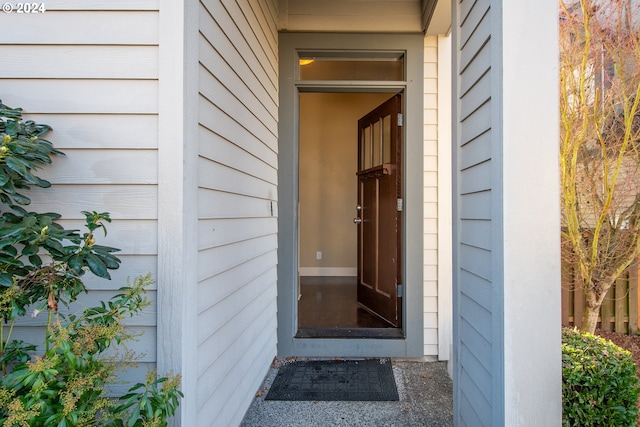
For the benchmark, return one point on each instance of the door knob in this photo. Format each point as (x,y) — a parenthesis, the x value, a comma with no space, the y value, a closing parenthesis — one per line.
(357,220)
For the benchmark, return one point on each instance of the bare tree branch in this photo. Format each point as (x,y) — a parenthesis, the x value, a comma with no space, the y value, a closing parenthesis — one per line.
(599,142)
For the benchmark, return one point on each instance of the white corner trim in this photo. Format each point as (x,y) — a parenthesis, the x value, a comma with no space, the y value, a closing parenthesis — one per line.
(445,244)
(177,199)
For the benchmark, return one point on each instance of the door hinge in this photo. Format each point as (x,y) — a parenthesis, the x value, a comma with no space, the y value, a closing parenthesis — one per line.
(400,119)
(400,205)
(399,289)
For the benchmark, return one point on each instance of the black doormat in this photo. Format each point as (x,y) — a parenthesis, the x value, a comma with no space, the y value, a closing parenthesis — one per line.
(346,380)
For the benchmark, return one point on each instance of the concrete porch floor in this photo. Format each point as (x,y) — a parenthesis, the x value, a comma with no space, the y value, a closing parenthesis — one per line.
(426,399)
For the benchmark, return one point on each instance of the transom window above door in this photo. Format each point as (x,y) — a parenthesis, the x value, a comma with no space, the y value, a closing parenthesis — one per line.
(351,66)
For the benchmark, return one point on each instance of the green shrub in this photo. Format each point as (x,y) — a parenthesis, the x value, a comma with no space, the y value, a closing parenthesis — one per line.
(599,382)
(63,381)
(65,385)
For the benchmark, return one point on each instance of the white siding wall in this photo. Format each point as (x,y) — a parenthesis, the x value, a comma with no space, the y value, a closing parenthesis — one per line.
(437,196)
(89,69)
(431,196)
(237,207)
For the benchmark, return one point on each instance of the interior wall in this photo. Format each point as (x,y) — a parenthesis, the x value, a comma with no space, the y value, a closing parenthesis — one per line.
(328,186)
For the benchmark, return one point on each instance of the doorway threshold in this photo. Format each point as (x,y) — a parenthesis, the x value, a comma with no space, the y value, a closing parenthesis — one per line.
(381,333)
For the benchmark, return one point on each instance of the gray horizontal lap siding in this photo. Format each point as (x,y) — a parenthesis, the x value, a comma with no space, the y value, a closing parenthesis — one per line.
(237,205)
(476,335)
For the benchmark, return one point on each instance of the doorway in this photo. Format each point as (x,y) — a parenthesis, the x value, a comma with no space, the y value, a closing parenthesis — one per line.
(292,244)
(330,300)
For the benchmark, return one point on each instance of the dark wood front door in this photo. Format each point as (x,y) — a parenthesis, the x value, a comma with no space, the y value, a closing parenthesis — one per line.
(379,210)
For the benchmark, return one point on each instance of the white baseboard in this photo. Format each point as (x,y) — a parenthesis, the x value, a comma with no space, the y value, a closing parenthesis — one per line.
(328,271)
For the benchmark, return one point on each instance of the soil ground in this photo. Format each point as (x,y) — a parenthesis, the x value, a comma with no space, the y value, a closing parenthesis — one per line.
(628,342)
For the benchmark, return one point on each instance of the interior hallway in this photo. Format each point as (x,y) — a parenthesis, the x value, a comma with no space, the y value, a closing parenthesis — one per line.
(330,302)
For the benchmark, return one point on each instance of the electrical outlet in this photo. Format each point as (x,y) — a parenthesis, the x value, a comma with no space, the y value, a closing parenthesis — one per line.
(318,255)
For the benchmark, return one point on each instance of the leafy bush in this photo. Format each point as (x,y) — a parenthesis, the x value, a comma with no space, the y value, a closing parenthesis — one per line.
(599,382)
(66,384)
(41,266)
(23,150)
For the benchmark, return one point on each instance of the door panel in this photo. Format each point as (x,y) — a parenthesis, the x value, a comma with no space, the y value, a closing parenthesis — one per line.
(379,222)
(368,246)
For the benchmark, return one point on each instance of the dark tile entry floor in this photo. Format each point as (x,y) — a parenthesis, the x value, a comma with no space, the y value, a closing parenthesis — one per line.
(328,308)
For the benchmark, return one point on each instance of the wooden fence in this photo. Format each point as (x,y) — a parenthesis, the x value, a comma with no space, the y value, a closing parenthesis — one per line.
(619,311)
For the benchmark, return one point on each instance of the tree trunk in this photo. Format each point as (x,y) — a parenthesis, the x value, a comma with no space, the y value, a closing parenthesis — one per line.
(594,295)
(590,318)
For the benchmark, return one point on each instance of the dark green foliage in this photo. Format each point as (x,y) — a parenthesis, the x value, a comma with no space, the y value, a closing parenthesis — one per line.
(42,258)
(599,382)
(156,399)
(22,151)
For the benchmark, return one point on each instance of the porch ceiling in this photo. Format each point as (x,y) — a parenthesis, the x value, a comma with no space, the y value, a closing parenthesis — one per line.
(404,16)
